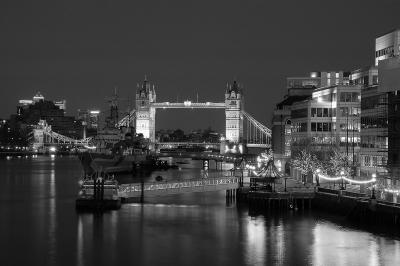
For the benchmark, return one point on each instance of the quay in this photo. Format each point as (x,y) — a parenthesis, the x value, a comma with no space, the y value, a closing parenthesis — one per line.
(277,194)
(357,207)
(261,194)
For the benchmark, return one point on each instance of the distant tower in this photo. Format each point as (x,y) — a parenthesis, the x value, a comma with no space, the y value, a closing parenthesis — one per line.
(233,106)
(145,114)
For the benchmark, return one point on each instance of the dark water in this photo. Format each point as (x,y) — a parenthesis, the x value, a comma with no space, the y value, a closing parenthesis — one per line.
(39,226)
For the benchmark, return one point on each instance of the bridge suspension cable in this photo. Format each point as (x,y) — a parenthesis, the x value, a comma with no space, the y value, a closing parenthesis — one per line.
(257,134)
(127,120)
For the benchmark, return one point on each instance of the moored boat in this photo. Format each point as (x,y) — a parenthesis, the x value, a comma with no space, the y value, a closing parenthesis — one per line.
(98,193)
(122,156)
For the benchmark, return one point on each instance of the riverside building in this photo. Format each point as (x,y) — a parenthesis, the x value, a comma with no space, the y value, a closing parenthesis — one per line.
(374,138)
(330,117)
(389,84)
(299,89)
(387,46)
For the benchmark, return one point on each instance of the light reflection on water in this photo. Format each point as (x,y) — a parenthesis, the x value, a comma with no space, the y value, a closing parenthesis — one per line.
(38,219)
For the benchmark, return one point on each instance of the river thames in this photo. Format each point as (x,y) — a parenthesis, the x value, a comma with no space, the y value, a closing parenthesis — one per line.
(39,226)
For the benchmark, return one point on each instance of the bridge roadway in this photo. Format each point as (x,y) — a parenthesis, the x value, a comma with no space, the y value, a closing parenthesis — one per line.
(154,189)
(229,158)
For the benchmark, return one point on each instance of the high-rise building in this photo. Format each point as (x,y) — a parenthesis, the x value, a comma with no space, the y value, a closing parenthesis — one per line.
(61,104)
(30,112)
(373,150)
(374,133)
(318,79)
(389,84)
(90,118)
(367,76)
(387,46)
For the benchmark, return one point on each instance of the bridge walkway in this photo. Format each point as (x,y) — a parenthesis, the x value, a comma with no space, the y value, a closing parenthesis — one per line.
(202,156)
(153,189)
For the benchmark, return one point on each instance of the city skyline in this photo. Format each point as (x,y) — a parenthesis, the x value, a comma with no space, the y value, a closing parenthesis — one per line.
(188,132)
(184,50)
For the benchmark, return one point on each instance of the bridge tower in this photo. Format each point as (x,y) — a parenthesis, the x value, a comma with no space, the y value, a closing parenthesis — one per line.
(145,113)
(233,107)
(38,138)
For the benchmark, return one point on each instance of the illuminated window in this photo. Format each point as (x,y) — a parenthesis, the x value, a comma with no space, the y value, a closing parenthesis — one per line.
(367,161)
(374,161)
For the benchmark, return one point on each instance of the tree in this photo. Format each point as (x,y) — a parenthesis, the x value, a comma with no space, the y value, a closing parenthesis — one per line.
(306,162)
(340,162)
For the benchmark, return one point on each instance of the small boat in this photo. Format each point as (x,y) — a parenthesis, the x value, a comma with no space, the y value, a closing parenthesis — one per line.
(98,193)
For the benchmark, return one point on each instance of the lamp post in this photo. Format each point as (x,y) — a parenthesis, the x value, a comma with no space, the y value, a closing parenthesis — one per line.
(373,188)
(341,175)
(317,176)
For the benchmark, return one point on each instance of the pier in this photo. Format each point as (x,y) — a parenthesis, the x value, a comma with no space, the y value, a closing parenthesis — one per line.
(129,192)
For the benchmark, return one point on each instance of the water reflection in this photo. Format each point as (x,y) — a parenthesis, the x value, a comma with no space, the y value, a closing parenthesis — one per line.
(255,248)
(52,238)
(79,244)
(37,206)
(341,246)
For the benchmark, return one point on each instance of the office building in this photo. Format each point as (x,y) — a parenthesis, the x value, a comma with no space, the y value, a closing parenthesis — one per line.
(30,112)
(389,84)
(387,46)
(90,118)
(299,89)
(23,104)
(331,117)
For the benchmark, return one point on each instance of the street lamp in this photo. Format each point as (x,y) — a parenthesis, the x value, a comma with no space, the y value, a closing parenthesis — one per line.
(317,172)
(373,187)
(341,175)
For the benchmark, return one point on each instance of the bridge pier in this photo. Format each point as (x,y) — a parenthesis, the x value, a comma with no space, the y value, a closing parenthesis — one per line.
(231,193)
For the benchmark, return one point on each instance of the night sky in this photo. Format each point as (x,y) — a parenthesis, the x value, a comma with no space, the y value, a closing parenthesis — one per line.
(80,50)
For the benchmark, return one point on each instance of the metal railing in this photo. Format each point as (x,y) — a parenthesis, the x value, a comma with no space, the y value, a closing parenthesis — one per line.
(125,189)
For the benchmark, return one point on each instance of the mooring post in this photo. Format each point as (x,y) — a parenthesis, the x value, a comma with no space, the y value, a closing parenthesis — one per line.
(142,190)
(102,189)
(95,189)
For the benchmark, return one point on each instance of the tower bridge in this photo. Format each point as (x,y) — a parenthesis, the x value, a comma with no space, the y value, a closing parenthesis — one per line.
(44,136)
(240,126)
(254,133)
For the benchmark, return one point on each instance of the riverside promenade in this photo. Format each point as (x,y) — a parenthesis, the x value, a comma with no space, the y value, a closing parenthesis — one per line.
(288,194)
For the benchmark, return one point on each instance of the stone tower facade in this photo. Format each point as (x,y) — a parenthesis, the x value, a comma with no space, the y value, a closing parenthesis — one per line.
(145,113)
(234,120)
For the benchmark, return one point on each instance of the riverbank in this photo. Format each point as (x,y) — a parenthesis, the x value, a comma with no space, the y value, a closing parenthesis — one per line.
(355,207)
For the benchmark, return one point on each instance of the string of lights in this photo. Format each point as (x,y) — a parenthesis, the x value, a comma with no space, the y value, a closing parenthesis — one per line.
(393,191)
(372,180)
